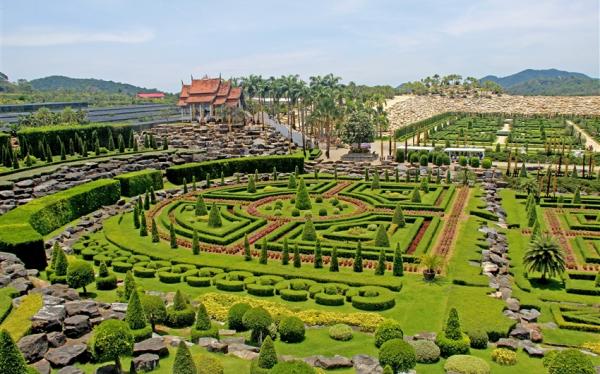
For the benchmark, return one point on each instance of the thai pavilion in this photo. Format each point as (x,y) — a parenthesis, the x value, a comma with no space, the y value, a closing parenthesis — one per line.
(201,99)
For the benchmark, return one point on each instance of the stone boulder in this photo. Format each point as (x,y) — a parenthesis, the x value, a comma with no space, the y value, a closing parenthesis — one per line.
(33,347)
(56,339)
(77,326)
(67,355)
(511,344)
(145,362)
(155,346)
(329,363)
(42,366)
(85,307)
(70,370)
(365,364)
(107,369)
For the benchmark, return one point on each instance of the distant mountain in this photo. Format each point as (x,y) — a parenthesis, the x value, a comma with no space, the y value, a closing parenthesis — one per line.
(547,82)
(56,82)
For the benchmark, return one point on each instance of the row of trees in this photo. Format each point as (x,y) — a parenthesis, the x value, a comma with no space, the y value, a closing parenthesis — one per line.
(452,83)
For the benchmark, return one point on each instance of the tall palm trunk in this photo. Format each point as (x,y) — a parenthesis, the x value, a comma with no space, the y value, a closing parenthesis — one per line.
(327,137)
(302,114)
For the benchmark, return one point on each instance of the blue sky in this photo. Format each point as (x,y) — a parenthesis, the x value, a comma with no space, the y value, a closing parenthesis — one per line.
(156,43)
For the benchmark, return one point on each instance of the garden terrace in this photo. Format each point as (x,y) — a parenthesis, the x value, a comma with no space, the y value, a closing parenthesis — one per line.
(264,190)
(540,133)
(465,131)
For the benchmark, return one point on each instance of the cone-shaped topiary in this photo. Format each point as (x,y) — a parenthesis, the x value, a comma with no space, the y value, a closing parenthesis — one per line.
(195,243)
(381,238)
(179,301)
(398,218)
(172,236)
(358,266)
(398,266)
(302,197)
(136,217)
(416,196)
(214,216)
(202,319)
(247,253)
(388,370)
(129,287)
(222,178)
(183,364)
(531,216)
(152,196)
(194,186)
(143,226)
(185,188)
(200,206)
(155,237)
(207,183)
(380,269)
(334,267)
(135,317)
(61,265)
(267,357)
(285,253)
(366,174)
(318,255)
(11,359)
(292,182)
(274,176)
(103,269)
(375,182)
(251,185)
(308,232)
(263,252)
(147,200)
(452,330)
(577,196)
(297,259)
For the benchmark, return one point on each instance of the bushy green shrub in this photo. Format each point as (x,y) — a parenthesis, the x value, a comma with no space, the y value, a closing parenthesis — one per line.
(504,357)
(207,364)
(154,309)
(291,330)
(181,313)
(426,351)
(331,300)
(302,197)
(479,339)
(571,361)
(309,233)
(549,356)
(294,295)
(449,347)
(235,316)
(11,359)
(111,339)
(292,367)
(138,182)
(105,280)
(398,354)
(258,320)
(183,364)
(267,357)
(341,332)
(387,330)
(465,364)
(80,274)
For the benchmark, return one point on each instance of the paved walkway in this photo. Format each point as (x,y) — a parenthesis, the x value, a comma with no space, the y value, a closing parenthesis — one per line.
(590,141)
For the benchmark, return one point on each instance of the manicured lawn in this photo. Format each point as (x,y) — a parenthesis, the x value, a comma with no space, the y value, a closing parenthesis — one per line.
(18,322)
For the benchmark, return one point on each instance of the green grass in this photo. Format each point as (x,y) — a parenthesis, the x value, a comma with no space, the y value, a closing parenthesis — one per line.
(18,322)
(6,295)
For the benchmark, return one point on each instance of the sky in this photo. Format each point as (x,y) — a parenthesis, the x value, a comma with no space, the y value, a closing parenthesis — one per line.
(158,43)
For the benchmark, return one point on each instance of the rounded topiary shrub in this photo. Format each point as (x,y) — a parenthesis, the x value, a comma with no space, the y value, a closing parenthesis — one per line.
(207,364)
(235,316)
(388,330)
(571,361)
(504,356)
(479,339)
(295,213)
(426,351)
(341,332)
(291,330)
(322,212)
(398,354)
(292,367)
(465,364)
(449,347)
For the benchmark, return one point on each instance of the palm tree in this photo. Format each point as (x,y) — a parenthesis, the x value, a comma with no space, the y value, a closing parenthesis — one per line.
(545,256)
(431,264)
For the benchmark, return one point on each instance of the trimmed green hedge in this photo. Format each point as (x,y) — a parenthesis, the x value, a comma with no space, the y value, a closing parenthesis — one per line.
(22,228)
(264,164)
(138,182)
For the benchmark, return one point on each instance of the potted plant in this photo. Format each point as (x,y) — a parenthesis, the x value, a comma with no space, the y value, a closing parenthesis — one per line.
(431,264)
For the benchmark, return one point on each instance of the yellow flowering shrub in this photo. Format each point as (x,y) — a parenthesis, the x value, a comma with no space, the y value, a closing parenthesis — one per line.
(218,304)
(504,356)
(592,347)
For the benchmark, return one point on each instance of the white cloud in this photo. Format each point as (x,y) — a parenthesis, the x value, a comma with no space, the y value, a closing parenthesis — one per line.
(38,37)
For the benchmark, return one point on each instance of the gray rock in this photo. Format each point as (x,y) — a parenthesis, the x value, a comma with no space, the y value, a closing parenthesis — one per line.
(511,344)
(365,364)
(107,369)
(33,347)
(76,326)
(520,332)
(119,307)
(87,307)
(530,315)
(70,370)
(533,351)
(146,362)
(329,363)
(56,339)
(513,304)
(223,332)
(42,366)
(67,355)
(152,345)
(233,340)
(425,336)
(244,354)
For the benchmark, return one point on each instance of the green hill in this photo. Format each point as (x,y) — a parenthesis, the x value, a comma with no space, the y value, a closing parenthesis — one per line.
(550,82)
(58,82)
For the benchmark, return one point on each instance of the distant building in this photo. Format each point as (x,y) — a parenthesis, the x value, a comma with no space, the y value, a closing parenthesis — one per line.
(203,96)
(150,95)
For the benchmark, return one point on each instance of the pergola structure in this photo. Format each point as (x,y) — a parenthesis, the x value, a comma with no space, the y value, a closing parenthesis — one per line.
(454,152)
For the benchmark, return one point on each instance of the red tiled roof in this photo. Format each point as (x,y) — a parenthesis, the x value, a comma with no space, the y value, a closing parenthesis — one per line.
(220,100)
(224,89)
(181,102)
(205,86)
(201,99)
(235,93)
(150,95)
(185,91)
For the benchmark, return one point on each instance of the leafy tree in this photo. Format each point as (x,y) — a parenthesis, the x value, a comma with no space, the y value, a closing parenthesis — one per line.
(302,197)
(308,232)
(452,330)
(154,308)
(398,218)
(263,252)
(200,206)
(195,243)
(80,274)
(112,339)
(318,255)
(247,253)
(380,269)
(155,236)
(358,129)
(258,320)
(523,171)
(135,317)
(381,238)
(251,185)
(183,364)
(172,236)
(334,266)
(544,255)
(358,266)
(285,253)
(267,357)
(398,266)
(297,260)
(214,216)
(11,359)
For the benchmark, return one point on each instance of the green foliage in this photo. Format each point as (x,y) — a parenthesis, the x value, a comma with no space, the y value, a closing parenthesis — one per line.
(207,364)
(398,354)
(308,232)
(398,265)
(375,181)
(80,274)
(465,364)
(571,361)
(285,252)
(291,330)
(143,226)
(380,268)
(154,309)
(450,347)
(318,261)
(135,317)
(577,195)
(398,217)
(479,339)
(247,253)
(452,330)
(341,332)
(333,261)
(292,367)
(11,359)
(302,197)
(387,330)
(200,206)
(195,243)
(105,280)
(202,319)
(267,357)
(544,255)
(251,185)
(258,320)
(358,265)
(292,182)
(180,314)
(426,351)
(111,339)
(155,236)
(358,128)
(262,259)
(61,264)
(504,357)
(416,196)
(381,238)
(172,236)
(138,182)
(297,259)
(235,316)
(129,287)
(183,364)
(214,216)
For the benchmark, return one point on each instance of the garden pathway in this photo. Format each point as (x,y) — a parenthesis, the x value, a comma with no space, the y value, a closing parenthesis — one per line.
(589,140)
(559,233)
(449,232)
